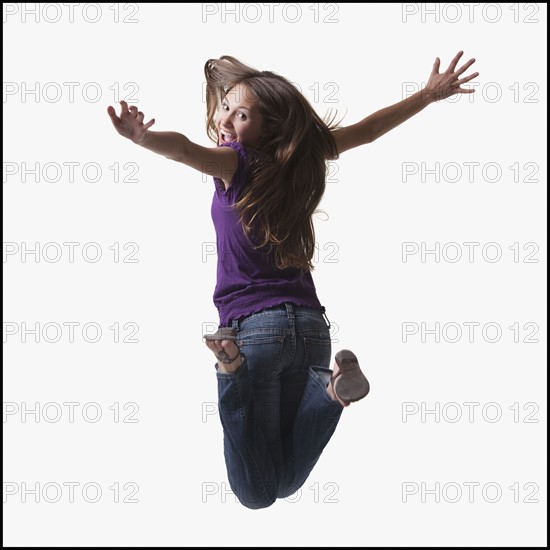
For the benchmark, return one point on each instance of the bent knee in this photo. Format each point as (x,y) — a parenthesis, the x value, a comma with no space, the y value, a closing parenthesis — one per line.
(255,497)
(257,504)
(286,490)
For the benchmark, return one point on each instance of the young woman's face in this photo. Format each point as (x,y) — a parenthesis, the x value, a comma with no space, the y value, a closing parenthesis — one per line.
(238,117)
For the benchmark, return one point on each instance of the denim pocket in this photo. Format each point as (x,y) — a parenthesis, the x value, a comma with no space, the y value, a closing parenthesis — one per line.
(317,351)
(262,353)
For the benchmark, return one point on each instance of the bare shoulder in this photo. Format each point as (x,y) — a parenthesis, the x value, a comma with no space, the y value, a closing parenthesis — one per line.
(220,162)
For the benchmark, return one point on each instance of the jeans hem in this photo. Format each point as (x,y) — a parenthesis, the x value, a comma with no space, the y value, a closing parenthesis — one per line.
(318,379)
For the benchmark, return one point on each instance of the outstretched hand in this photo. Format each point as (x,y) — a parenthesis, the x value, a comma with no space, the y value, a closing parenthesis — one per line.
(130,123)
(444,85)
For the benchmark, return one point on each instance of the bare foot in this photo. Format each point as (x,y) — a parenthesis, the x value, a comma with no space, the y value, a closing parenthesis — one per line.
(331,393)
(231,349)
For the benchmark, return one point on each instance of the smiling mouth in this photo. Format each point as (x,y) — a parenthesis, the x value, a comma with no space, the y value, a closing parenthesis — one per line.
(227,137)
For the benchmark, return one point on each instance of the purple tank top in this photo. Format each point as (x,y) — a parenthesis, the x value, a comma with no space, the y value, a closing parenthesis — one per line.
(247,279)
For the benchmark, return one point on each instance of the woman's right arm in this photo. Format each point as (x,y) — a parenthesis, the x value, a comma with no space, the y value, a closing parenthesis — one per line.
(439,87)
(218,162)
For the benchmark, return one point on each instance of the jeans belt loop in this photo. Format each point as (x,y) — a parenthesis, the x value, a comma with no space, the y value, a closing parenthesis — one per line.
(290,311)
(325,316)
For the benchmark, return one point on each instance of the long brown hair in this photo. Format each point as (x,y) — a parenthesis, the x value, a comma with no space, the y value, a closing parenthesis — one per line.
(287,166)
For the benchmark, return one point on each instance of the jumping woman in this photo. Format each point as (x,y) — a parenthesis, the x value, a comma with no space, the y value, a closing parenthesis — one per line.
(279,401)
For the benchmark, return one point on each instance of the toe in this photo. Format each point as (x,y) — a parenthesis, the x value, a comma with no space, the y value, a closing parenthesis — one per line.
(214,346)
(229,346)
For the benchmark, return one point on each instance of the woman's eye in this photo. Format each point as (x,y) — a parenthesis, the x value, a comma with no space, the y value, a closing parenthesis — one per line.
(241,115)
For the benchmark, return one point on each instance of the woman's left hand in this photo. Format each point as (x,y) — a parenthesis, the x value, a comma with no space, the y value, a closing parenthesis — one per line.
(447,84)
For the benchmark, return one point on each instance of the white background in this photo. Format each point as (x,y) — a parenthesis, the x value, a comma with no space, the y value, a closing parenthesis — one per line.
(369,54)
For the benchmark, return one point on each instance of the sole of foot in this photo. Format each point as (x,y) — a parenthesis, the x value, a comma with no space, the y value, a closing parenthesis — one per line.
(348,383)
(330,391)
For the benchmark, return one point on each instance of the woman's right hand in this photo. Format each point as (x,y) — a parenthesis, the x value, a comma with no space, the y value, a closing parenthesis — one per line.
(130,123)
(444,85)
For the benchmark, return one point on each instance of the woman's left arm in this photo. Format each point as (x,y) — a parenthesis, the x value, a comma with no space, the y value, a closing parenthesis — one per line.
(439,87)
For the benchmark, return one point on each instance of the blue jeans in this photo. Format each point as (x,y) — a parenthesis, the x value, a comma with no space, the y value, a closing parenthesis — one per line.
(275,412)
